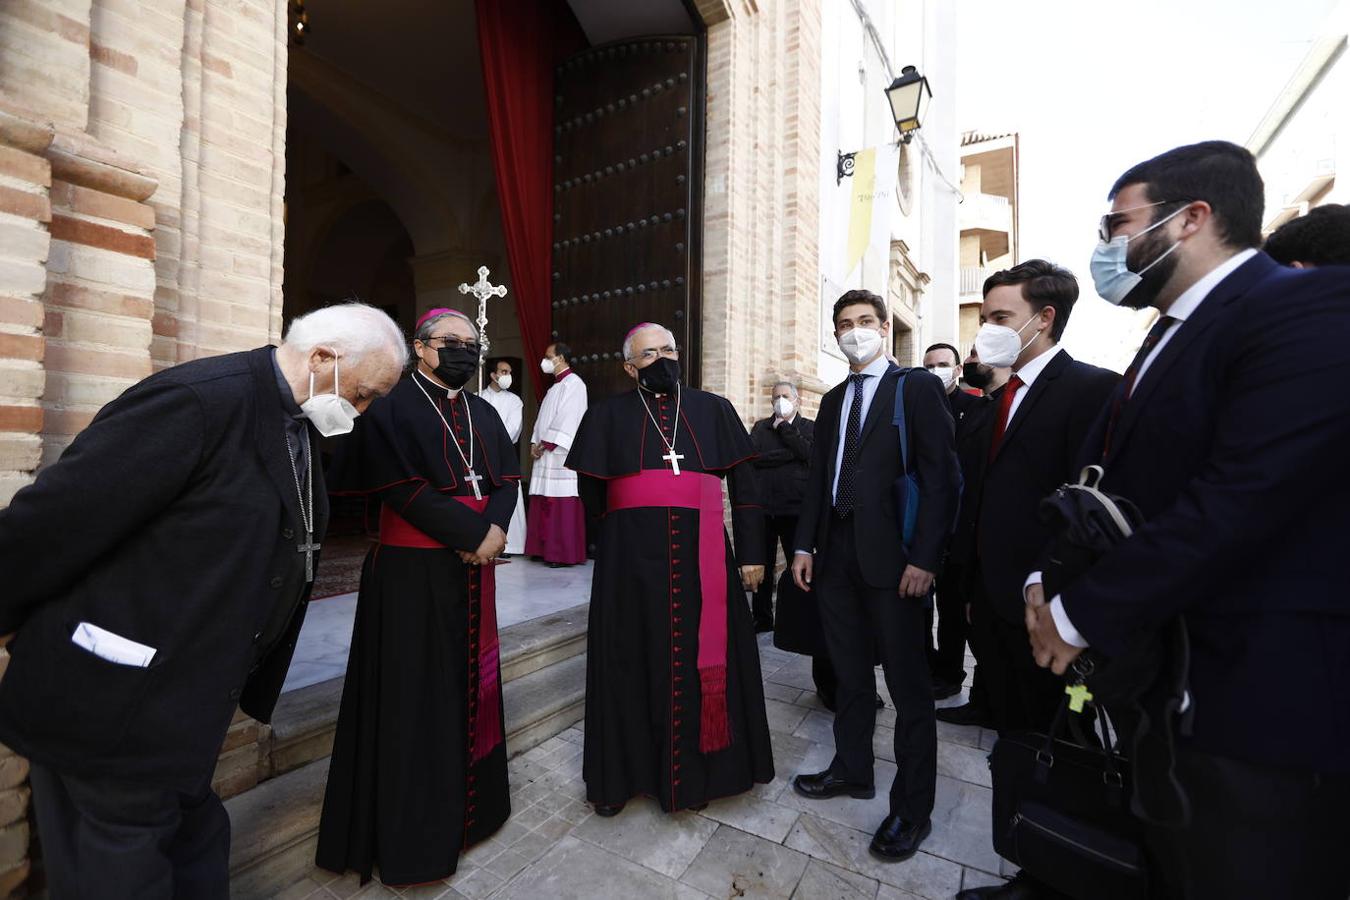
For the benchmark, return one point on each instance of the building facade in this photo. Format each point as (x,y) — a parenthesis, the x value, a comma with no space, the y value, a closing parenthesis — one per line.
(1304,137)
(179,177)
(988,219)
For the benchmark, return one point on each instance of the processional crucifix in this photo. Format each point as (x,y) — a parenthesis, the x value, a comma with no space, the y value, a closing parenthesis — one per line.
(482,289)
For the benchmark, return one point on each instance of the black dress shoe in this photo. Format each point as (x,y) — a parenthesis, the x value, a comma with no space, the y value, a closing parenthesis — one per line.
(966,714)
(823,785)
(898,839)
(1023,887)
(763,625)
(699,807)
(608,810)
(826,699)
(942,689)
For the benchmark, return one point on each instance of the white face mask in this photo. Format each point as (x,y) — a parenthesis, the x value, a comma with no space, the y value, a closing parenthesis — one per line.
(783,407)
(999,345)
(331,414)
(504,382)
(947,374)
(860,345)
(546,365)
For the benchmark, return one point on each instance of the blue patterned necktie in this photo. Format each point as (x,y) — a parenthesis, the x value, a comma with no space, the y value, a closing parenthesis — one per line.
(844,494)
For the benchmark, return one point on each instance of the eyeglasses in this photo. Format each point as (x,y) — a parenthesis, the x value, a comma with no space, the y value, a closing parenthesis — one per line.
(652,353)
(1112,219)
(449,343)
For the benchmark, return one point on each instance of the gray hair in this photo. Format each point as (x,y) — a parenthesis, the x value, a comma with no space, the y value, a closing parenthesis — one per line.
(787,384)
(350,329)
(628,341)
(424,330)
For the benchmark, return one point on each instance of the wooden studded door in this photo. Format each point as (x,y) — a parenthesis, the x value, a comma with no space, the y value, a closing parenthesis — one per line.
(628,181)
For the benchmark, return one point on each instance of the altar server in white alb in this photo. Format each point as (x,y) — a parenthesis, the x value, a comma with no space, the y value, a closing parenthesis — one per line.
(557,520)
(511,409)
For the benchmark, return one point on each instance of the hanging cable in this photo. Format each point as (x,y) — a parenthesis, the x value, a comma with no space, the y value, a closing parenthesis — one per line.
(870,29)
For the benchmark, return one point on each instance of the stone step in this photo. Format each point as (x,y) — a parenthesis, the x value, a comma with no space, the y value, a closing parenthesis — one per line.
(305,719)
(275,825)
(274,830)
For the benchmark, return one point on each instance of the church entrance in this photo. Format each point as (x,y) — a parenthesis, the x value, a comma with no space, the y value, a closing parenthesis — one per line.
(569,161)
(570,164)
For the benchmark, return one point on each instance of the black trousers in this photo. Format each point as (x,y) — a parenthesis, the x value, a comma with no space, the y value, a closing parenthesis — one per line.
(110,839)
(1020,693)
(859,621)
(1256,832)
(778,532)
(947,658)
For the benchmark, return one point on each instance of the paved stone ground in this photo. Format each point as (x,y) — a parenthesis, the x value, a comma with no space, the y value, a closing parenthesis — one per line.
(769,842)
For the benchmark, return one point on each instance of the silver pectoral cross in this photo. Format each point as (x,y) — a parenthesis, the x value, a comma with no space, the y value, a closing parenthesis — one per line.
(308,548)
(473,478)
(674,459)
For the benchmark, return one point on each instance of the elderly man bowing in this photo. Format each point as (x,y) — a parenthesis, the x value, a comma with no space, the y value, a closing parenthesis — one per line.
(157,576)
(674,699)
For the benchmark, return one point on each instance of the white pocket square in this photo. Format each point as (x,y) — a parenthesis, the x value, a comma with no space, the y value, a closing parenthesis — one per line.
(112,647)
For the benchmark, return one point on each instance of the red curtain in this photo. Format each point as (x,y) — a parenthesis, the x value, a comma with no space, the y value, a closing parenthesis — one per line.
(520,41)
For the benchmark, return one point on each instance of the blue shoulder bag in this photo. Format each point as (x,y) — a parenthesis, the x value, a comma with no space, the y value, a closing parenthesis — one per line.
(907,485)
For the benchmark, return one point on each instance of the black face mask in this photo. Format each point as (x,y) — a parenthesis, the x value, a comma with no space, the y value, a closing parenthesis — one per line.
(660,377)
(977,376)
(456,366)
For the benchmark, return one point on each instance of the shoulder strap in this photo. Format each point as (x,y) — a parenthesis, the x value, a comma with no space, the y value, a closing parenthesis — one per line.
(899,418)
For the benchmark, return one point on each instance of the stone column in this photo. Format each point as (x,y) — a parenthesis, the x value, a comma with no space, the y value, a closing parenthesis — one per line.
(761,284)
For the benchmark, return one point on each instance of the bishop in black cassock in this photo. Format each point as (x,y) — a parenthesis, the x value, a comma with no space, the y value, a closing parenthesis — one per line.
(674,696)
(419,761)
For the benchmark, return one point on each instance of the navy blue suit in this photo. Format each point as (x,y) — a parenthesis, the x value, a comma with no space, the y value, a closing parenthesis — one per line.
(1233,446)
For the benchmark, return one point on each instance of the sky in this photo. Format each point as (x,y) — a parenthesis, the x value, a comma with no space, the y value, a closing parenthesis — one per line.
(1094,87)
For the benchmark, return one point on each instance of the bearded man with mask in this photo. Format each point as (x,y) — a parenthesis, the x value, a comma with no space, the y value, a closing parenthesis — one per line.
(874,589)
(557,520)
(158,575)
(674,696)
(1235,466)
(419,760)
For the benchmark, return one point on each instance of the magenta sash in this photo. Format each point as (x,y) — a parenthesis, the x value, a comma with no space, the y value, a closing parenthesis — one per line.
(485,729)
(695,490)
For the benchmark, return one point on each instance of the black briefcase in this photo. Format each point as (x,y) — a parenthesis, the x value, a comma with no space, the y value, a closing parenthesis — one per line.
(796,619)
(1062,813)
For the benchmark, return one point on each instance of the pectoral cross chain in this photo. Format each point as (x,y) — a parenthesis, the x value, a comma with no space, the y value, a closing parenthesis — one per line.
(674,459)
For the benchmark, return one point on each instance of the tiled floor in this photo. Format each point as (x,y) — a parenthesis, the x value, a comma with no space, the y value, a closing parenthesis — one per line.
(767,843)
(525,590)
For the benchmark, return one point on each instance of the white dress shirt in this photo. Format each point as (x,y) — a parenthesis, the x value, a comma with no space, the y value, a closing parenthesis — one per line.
(1182,308)
(871,380)
(1028,375)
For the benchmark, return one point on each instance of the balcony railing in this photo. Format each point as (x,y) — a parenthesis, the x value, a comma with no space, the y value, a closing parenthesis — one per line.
(972,280)
(989,212)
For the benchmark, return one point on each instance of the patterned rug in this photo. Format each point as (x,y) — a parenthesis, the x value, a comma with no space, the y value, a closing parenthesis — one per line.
(340,566)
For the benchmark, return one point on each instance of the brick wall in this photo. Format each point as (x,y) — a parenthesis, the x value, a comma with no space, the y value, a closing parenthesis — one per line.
(761,254)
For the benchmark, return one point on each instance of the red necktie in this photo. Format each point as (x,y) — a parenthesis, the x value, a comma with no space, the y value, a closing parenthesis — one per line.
(1004,407)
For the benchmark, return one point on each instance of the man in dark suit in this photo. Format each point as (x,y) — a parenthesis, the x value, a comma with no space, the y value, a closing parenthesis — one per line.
(1235,466)
(960,566)
(852,518)
(157,577)
(1029,442)
(783,442)
(946,659)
